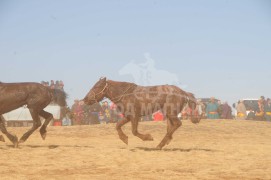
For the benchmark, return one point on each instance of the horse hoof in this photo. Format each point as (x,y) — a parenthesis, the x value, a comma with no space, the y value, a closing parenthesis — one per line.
(2,139)
(15,142)
(125,140)
(158,148)
(168,141)
(43,136)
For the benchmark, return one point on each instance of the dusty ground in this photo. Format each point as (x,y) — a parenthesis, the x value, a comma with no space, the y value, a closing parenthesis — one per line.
(217,149)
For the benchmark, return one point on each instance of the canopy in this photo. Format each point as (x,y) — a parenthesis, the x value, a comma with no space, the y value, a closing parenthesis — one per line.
(23,114)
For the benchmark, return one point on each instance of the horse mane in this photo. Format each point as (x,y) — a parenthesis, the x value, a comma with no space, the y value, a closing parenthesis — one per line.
(121,84)
(190,94)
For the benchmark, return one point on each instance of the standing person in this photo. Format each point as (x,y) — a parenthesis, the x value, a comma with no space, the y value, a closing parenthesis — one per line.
(66,121)
(86,113)
(57,85)
(52,85)
(226,111)
(47,83)
(212,109)
(114,112)
(78,112)
(94,113)
(263,100)
(201,108)
(73,114)
(220,108)
(241,110)
(260,109)
(61,85)
(106,112)
(267,110)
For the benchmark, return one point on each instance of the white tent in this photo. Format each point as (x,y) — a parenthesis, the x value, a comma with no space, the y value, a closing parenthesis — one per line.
(23,114)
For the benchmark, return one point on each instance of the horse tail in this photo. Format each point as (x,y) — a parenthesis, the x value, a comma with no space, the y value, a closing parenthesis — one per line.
(59,97)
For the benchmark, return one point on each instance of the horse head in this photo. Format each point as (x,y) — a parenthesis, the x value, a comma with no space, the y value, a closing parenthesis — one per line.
(97,92)
(194,114)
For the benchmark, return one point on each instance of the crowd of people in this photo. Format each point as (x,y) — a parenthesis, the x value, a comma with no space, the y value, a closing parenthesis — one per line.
(99,113)
(54,84)
(210,110)
(260,111)
(106,112)
(218,110)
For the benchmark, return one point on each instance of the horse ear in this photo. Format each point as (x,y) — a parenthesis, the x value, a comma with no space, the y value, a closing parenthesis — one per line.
(103,78)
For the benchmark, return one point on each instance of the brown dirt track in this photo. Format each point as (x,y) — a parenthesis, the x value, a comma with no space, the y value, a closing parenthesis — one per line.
(213,149)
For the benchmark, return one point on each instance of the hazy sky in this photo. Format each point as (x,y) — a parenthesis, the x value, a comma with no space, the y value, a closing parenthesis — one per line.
(215,48)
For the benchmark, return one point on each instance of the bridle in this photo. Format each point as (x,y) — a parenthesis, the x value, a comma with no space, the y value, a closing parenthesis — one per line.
(102,91)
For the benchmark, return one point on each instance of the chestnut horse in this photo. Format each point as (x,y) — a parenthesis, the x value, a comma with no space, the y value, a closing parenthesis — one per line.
(36,97)
(136,101)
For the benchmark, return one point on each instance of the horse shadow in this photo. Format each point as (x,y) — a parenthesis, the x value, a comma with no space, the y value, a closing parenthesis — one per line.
(173,149)
(43,146)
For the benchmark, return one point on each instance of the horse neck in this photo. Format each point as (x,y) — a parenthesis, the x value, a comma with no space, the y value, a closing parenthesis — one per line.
(117,89)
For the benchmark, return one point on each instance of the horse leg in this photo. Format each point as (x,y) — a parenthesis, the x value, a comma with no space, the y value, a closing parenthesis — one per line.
(48,117)
(119,124)
(2,138)
(11,137)
(168,137)
(144,137)
(170,125)
(36,125)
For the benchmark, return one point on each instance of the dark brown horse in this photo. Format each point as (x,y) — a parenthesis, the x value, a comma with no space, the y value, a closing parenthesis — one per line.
(36,97)
(136,101)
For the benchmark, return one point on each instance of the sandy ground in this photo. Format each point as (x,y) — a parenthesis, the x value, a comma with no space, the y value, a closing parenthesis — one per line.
(213,149)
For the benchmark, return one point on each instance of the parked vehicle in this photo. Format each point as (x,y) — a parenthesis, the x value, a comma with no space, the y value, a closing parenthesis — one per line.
(251,105)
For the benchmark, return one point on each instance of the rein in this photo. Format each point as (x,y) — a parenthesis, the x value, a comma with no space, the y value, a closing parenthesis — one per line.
(118,97)
(124,93)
